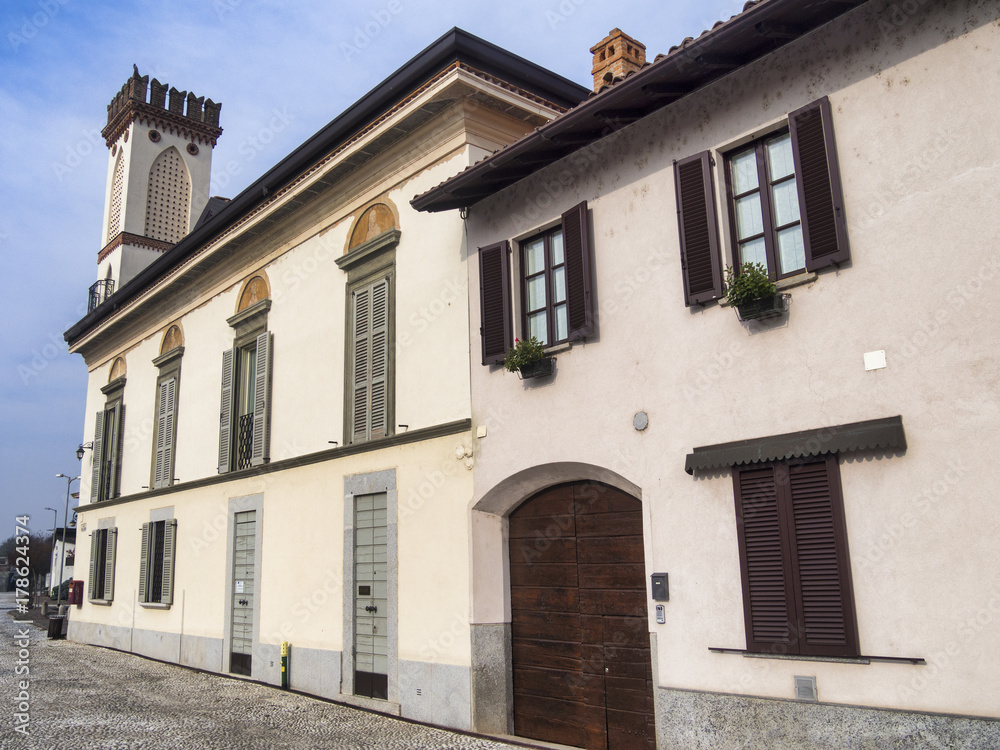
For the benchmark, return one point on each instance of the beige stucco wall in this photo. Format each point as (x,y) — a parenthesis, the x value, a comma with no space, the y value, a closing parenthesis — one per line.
(301,577)
(914,111)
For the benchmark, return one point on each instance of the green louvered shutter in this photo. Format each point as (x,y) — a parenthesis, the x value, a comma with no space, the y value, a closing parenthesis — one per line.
(95,457)
(117,449)
(144,565)
(361,333)
(370,333)
(109,570)
(226,410)
(164,433)
(262,401)
(95,545)
(380,359)
(169,546)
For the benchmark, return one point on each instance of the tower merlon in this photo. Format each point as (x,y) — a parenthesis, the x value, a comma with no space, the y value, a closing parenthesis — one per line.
(190,116)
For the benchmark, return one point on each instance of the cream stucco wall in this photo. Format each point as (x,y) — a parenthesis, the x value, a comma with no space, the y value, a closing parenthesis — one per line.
(301,578)
(914,113)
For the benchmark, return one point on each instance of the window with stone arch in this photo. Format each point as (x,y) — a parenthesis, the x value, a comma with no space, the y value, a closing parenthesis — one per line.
(115,210)
(168,199)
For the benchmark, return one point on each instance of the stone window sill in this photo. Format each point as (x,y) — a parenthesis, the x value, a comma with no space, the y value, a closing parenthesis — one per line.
(153,605)
(101,602)
(835,659)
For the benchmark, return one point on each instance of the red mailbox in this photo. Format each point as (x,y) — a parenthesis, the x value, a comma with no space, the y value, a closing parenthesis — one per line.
(75,595)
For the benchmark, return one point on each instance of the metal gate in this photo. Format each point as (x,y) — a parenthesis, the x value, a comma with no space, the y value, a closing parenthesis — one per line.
(371,534)
(241,649)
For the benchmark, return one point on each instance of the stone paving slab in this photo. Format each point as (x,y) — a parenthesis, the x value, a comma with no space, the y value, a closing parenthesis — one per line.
(84,697)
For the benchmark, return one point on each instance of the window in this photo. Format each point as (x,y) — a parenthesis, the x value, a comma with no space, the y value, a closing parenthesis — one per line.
(105,482)
(243,437)
(797,593)
(370,360)
(543,289)
(156,562)
(245,413)
(764,206)
(556,299)
(786,205)
(102,564)
(167,393)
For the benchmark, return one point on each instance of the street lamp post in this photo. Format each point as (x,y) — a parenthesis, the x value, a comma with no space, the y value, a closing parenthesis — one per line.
(55,526)
(62,554)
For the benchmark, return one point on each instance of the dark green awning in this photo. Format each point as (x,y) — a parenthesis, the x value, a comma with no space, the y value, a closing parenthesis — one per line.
(857,436)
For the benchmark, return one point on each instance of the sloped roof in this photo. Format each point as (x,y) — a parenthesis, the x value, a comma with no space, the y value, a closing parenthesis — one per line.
(456,47)
(762,27)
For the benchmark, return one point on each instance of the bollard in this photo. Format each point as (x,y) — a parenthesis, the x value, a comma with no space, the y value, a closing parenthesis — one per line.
(284,665)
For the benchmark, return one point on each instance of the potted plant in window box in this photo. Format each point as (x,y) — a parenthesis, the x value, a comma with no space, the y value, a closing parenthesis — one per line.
(752,293)
(527,359)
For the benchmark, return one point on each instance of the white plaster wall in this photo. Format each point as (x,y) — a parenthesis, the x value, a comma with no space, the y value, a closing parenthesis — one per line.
(914,111)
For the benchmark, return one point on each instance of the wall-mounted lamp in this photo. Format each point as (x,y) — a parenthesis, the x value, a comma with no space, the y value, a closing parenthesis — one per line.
(83,447)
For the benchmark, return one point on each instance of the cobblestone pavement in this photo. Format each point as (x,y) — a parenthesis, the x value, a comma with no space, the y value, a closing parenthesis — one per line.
(84,697)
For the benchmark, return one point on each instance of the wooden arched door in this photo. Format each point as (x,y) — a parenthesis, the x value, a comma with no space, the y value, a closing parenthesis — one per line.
(581,658)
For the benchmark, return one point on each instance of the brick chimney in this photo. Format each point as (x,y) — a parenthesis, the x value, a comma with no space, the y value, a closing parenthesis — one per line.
(616,56)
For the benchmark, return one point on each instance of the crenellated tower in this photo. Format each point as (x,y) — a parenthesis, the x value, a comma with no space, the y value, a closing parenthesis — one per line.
(160,143)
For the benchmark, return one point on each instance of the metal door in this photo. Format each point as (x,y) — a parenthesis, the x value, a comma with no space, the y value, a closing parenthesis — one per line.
(244,547)
(371,596)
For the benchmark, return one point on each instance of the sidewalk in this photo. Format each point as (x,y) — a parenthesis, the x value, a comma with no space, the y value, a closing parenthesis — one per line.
(88,698)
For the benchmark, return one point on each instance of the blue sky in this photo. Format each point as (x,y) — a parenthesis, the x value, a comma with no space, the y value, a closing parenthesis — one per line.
(285,67)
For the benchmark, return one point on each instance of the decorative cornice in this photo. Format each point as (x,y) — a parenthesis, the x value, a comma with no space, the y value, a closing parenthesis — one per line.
(405,438)
(136,240)
(147,114)
(511,87)
(372,248)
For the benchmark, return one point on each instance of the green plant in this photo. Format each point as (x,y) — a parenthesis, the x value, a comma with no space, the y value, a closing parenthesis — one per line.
(750,283)
(523,353)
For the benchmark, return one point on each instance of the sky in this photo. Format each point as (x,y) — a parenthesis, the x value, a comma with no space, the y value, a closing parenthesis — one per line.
(281,68)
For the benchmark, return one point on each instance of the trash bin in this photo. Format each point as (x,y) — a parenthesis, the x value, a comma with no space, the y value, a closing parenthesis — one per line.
(56,627)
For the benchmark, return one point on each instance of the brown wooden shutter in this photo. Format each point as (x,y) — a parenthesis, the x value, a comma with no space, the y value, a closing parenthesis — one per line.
(826,622)
(576,245)
(494,302)
(701,264)
(767,602)
(821,198)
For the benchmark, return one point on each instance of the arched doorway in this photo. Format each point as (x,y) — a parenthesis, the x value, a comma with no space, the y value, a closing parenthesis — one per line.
(579,630)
